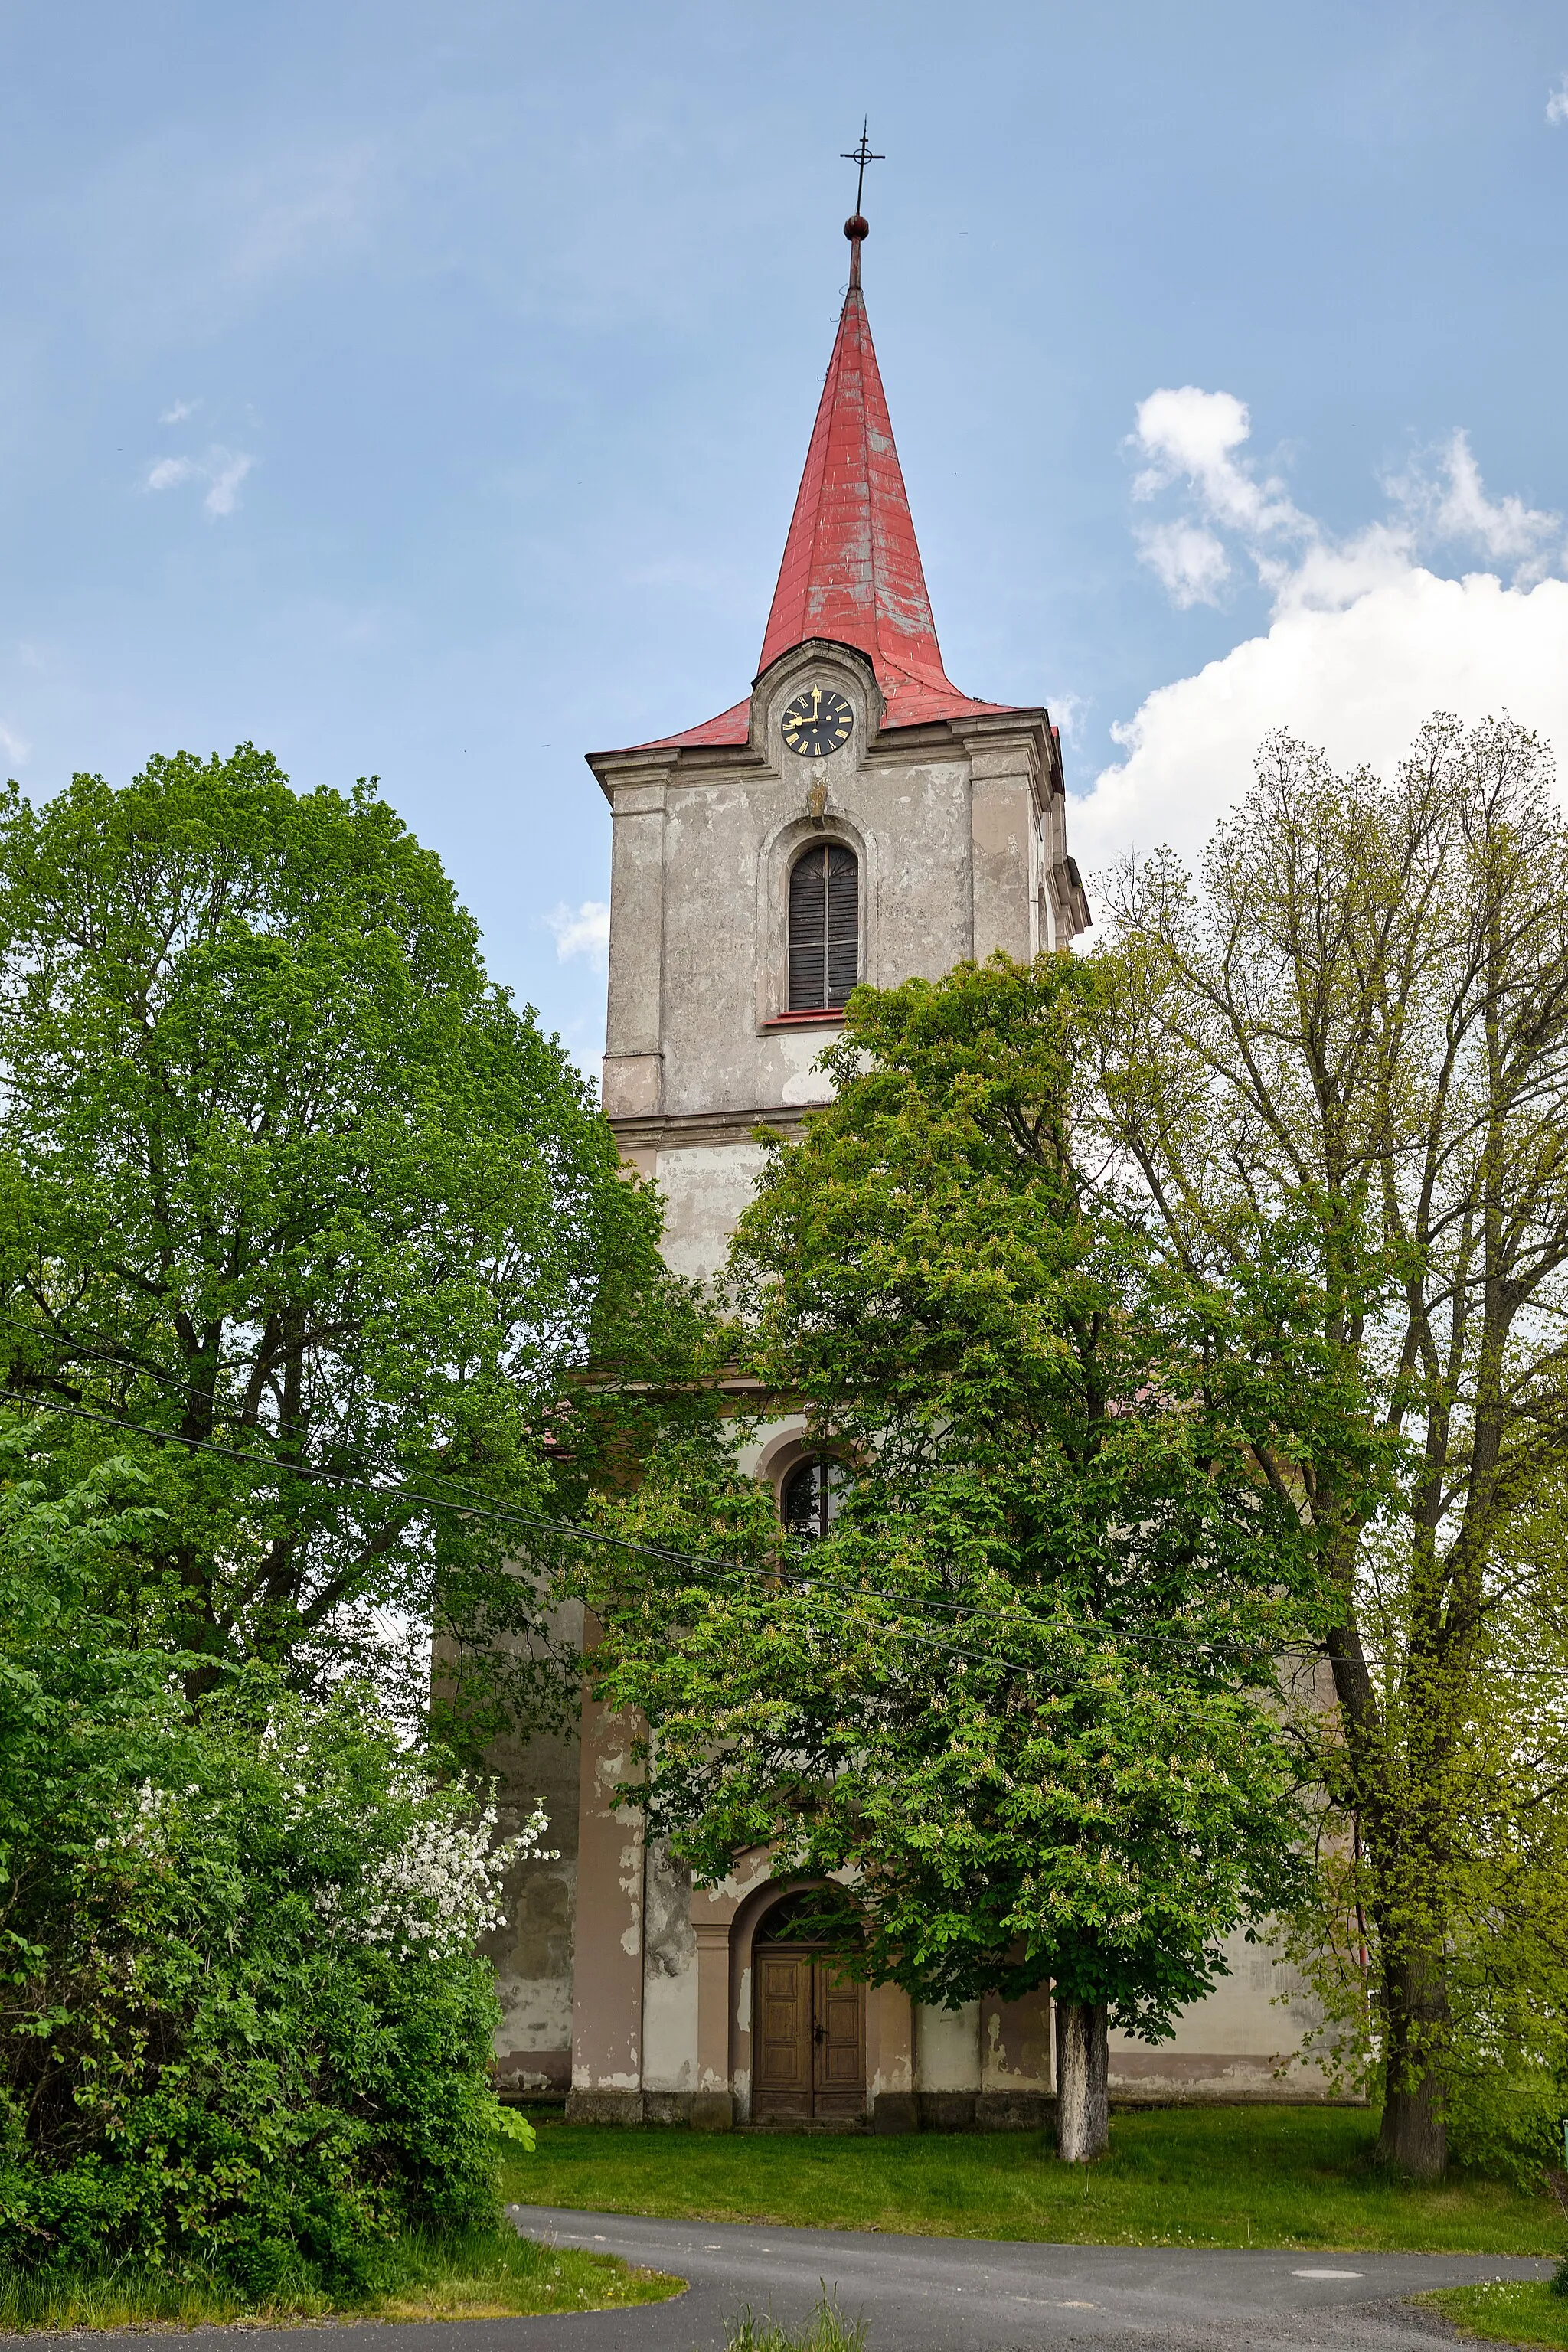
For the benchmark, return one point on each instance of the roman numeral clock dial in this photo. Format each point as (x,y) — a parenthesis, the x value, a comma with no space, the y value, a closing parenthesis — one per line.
(817,721)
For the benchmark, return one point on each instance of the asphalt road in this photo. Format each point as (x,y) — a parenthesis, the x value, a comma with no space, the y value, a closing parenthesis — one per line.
(946,2294)
(969,2294)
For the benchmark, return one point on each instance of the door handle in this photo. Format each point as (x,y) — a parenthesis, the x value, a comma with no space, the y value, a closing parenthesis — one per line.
(819,2034)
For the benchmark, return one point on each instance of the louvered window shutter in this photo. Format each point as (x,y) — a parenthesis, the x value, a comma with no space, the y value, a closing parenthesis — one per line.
(823,928)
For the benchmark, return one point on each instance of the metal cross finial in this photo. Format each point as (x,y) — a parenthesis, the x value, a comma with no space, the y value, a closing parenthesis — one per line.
(862,155)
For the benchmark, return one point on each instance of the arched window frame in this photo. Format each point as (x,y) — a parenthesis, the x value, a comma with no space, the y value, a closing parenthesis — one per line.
(775,863)
(827,1501)
(822,927)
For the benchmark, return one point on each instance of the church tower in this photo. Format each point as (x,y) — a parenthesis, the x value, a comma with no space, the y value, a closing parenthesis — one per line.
(853,817)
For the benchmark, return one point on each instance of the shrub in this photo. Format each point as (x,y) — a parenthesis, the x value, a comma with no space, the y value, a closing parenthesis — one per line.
(1506,2125)
(244,2029)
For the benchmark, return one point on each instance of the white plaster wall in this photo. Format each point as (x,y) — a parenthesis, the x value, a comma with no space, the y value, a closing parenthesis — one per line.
(947,2048)
(669,2032)
(1260,2007)
(536,2016)
(709,1027)
(1256,2015)
(747,1460)
(531,1949)
(705,1187)
(918,922)
(670,1975)
(801,1084)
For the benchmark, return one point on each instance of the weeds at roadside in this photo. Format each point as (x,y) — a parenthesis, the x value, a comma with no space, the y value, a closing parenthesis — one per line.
(827,2330)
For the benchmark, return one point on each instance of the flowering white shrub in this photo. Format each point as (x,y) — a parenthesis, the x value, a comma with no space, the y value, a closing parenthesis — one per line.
(421,1870)
(442,1888)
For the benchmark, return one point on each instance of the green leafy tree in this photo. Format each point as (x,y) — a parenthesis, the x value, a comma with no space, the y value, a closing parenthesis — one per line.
(1340,1070)
(284,1177)
(1020,1699)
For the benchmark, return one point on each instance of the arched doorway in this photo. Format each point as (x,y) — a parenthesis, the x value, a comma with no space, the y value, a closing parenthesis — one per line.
(808,2023)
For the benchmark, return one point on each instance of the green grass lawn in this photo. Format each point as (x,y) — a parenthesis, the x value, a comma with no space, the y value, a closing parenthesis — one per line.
(1511,2312)
(479,2276)
(1295,2177)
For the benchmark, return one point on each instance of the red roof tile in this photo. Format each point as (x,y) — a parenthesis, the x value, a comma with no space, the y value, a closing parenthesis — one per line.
(731,725)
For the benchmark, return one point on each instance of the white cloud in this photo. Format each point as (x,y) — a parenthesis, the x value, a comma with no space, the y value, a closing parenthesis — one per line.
(1197,433)
(177,414)
(1453,506)
(1359,679)
(1196,442)
(222,470)
(1329,575)
(1068,712)
(230,471)
(1188,559)
(13,746)
(1367,638)
(584,931)
(1557,103)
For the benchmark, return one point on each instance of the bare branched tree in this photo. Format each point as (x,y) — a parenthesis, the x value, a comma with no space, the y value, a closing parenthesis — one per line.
(1341,1082)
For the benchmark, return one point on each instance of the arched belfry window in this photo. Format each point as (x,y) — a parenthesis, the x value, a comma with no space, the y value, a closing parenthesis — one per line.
(824,927)
(811,1497)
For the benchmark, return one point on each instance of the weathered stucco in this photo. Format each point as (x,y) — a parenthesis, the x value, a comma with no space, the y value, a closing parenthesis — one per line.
(530,1950)
(1241,2043)
(957,829)
(705,1188)
(669,1976)
(620,1981)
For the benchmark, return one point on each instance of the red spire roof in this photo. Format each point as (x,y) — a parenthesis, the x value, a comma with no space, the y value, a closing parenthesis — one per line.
(851,567)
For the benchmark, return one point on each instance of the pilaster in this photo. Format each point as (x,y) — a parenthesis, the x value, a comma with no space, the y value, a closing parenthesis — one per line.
(712,2102)
(1004,840)
(634,1035)
(890,2060)
(607,1958)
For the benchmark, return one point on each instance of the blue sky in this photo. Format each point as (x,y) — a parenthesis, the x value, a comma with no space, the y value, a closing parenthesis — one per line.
(422,389)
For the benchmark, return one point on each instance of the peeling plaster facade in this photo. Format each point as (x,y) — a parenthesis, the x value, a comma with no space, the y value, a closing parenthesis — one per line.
(627,1992)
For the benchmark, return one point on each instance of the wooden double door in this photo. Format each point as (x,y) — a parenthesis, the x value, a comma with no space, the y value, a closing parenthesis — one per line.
(808,2038)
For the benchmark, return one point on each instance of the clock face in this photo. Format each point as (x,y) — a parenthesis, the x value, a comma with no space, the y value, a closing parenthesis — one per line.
(817,721)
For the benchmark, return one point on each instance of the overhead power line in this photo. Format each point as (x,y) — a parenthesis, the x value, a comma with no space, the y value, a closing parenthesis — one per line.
(510,1515)
(716,1571)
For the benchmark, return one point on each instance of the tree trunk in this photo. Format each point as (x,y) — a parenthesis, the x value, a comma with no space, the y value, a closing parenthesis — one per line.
(1083,2072)
(1415,2136)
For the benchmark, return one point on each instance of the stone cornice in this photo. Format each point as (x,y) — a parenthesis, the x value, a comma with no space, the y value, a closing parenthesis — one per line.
(983,733)
(660,1130)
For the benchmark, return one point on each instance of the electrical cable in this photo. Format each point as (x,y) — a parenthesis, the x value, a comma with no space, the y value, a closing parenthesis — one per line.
(714,1571)
(536,1522)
